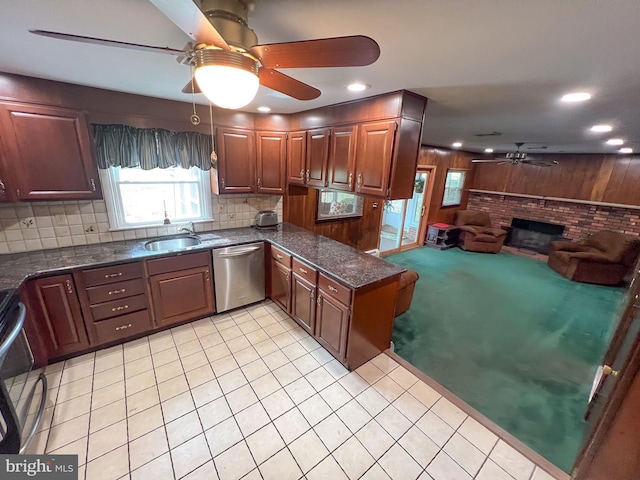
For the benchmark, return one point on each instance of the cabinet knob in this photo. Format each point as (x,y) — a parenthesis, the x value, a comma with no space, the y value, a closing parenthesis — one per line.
(303,270)
(69,287)
(287,277)
(123,327)
(332,288)
(308,175)
(93,185)
(114,292)
(222,182)
(118,309)
(350,180)
(258,183)
(319,300)
(3,189)
(112,275)
(312,295)
(359,182)
(302,174)
(206,275)
(279,257)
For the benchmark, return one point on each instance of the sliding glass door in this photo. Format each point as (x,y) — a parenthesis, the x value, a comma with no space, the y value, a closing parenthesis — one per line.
(402,220)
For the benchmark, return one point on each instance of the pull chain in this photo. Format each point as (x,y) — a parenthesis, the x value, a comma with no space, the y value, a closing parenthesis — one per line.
(195,119)
(214,155)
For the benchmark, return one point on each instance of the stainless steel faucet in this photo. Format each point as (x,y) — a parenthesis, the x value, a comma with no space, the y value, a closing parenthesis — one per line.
(189,228)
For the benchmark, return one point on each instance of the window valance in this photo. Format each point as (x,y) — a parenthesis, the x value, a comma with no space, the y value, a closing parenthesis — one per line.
(147,148)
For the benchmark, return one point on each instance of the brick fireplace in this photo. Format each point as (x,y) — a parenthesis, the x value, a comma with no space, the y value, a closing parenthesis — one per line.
(579,219)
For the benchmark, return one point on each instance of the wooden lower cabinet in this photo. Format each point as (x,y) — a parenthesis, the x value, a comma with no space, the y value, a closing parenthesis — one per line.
(57,315)
(332,323)
(182,295)
(303,302)
(281,285)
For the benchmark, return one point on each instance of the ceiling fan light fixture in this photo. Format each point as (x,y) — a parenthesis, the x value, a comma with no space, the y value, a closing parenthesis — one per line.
(228,78)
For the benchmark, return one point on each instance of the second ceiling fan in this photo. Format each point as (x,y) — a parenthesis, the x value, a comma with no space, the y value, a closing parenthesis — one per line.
(229,64)
(517,158)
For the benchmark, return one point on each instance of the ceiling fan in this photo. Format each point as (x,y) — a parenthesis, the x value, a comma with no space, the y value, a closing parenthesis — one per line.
(516,158)
(227,61)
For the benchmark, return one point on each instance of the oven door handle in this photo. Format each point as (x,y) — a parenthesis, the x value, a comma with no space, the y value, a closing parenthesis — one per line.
(15,330)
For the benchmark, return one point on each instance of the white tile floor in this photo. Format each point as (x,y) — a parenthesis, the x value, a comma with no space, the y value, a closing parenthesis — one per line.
(251,395)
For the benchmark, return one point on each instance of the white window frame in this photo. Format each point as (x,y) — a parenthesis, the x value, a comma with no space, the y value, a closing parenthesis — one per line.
(453,196)
(115,210)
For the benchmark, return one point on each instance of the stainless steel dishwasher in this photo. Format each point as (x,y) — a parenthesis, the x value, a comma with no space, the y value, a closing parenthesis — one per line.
(238,273)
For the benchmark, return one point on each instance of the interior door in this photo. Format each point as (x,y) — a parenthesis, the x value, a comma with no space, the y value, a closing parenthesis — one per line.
(615,390)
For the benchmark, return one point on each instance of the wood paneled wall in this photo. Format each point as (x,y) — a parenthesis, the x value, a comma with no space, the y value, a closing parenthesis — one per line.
(444,159)
(599,178)
(362,233)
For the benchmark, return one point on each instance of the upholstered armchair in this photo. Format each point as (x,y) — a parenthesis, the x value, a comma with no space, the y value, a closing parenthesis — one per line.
(476,233)
(604,257)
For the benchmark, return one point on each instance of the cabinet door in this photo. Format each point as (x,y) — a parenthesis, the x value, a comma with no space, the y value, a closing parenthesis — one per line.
(236,160)
(297,158)
(271,162)
(281,285)
(373,158)
(332,321)
(303,302)
(183,295)
(59,317)
(50,152)
(342,158)
(317,157)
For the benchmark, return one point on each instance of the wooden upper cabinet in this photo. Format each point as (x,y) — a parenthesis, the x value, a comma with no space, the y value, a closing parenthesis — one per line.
(317,156)
(342,158)
(236,160)
(297,158)
(58,316)
(48,153)
(271,162)
(374,157)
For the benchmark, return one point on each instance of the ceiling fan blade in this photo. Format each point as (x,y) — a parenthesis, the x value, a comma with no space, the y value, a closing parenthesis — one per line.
(483,160)
(190,19)
(287,85)
(540,163)
(109,43)
(352,51)
(187,87)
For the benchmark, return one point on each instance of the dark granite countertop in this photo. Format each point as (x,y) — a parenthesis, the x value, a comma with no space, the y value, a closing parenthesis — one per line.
(354,268)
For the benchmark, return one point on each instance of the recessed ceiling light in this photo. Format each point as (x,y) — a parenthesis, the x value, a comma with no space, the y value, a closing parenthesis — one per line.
(601,128)
(488,150)
(456,144)
(358,87)
(264,109)
(626,150)
(576,97)
(615,141)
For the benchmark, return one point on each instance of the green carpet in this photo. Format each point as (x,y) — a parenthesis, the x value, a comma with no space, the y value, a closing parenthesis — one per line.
(512,338)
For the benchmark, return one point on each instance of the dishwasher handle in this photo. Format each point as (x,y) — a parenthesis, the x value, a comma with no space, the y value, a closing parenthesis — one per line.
(237,252)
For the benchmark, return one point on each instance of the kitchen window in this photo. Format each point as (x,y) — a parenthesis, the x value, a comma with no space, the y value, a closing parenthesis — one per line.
(140,198)
(453,187)
(337,205)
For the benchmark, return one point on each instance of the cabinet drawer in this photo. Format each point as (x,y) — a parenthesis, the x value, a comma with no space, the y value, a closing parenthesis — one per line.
(118,307)
(123,326)
(113,291)
(335,289)
(304,270)
(281,256)
(178,262)
(114,273)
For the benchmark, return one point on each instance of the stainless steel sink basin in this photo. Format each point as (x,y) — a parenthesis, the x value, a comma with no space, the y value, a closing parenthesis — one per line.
(172,243)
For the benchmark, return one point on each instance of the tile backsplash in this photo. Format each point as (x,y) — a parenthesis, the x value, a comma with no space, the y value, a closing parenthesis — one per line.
(35,226)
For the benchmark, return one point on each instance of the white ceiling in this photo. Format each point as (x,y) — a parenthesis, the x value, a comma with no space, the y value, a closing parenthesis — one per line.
(491,65)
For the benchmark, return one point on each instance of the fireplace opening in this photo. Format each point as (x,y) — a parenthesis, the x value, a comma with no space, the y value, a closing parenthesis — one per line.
(533,235)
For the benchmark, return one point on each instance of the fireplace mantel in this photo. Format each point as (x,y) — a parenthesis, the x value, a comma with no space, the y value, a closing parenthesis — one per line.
(556,199)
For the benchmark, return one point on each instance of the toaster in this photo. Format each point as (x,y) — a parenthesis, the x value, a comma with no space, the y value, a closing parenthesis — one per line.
(266,218)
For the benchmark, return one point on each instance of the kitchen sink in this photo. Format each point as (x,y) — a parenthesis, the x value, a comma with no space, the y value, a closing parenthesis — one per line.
(172,243)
